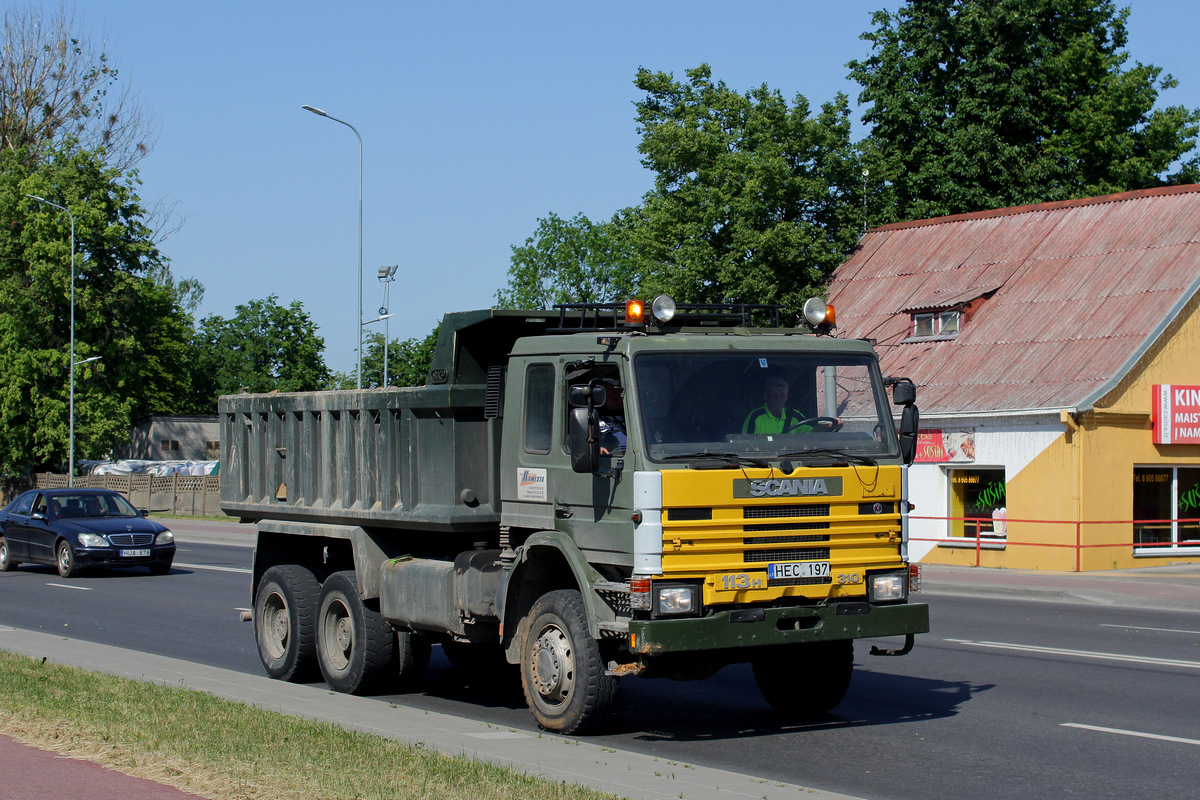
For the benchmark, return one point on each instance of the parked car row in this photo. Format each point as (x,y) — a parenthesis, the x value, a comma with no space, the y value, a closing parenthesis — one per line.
(74,529)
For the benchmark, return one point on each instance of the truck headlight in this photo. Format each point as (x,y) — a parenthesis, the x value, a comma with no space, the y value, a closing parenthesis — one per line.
(888,587)
(676,600)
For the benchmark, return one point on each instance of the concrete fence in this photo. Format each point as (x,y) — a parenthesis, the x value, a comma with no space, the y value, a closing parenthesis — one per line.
(190,495)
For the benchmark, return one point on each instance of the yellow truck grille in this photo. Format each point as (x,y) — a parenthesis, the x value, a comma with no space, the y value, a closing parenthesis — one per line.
(762,548)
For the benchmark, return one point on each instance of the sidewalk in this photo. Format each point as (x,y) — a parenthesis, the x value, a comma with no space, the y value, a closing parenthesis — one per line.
(1174,587)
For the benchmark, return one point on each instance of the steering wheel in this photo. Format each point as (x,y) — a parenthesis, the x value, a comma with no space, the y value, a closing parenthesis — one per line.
(830,424)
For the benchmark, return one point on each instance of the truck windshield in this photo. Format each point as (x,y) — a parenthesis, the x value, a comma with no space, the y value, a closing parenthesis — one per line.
(754,406)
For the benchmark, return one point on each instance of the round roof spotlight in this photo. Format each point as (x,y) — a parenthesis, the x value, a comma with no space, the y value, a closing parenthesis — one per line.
(817,312)
(663,308)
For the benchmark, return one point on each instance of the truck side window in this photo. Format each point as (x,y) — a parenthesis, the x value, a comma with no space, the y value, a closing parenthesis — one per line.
(539,407)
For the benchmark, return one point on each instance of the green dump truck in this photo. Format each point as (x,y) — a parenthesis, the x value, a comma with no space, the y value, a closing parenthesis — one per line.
(588,494)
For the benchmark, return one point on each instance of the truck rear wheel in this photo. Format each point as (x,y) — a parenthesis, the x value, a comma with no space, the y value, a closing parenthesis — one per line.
(562,671)
(357,649)
(806,680)
(285,608)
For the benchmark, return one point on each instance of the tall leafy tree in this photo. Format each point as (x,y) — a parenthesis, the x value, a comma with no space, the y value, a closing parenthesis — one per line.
(122,314)
(979,104)
(264,347)
(755,199)
(568,261)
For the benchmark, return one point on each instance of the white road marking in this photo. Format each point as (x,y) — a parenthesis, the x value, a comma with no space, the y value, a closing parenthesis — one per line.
(1141,628)
(1139,734)
(68,586)
(1058,651)
(215,569)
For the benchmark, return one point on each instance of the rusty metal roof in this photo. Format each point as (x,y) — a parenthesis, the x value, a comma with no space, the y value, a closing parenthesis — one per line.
(1065,297)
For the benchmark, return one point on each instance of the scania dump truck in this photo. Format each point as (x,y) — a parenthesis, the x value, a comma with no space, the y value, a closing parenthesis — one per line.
(484,512)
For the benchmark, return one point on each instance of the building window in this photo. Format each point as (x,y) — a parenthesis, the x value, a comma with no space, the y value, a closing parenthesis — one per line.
(170,446)
(1166,507)
(212,451)
(978,503)
(936,324)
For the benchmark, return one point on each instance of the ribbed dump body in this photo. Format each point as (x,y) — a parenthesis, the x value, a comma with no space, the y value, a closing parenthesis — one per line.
(406,458)
(835,523)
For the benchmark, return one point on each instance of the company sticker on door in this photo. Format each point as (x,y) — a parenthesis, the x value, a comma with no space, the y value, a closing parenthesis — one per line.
(829,486)
(531,485)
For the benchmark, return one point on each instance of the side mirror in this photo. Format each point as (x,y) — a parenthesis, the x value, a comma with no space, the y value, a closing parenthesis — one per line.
(910,421)
(583,438)
(41,515)
(145,512)
(904,392)
(579,395)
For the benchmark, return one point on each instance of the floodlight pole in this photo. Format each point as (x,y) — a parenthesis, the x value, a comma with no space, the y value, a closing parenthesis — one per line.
(358,345)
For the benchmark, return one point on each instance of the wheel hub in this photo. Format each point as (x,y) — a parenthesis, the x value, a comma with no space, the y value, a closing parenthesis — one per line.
(553,666)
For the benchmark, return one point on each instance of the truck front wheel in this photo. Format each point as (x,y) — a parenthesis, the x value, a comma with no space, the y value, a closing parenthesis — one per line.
(562,671)
(357,650)
(805,680)
(285,607)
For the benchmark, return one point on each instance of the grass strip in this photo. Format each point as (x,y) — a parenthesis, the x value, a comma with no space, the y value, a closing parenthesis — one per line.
(225,750)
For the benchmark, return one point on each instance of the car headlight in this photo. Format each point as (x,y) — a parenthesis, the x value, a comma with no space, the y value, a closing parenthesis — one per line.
(166,537)
(92,540)
(888,587)
(674,600)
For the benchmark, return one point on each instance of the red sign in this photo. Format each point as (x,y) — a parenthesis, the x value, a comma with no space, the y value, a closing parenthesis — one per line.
(1176,414)
(936,446)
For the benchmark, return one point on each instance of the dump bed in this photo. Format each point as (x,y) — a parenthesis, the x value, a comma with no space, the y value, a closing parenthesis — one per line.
(421,458)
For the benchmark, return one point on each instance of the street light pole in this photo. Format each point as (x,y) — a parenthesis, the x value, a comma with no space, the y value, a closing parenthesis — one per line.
(387,275)
(358,346)
(71,411)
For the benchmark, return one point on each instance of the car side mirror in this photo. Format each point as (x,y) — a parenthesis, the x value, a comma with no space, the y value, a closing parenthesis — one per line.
(40,515)
(578,396)
(145,512)
(910,421)
(904,392)
(583,439)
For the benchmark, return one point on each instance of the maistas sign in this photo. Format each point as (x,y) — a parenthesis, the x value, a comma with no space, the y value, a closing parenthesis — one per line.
(1176,414)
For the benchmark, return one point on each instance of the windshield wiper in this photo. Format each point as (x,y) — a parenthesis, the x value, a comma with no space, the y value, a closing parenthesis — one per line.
(717,460)
(829,451)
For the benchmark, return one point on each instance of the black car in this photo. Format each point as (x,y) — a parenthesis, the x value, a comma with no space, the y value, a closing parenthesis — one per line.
(73,529)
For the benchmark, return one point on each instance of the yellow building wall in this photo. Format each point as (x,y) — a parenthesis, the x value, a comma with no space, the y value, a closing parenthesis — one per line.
(1087,474)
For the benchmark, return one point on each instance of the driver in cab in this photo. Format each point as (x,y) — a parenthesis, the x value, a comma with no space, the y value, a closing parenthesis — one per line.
(773,416)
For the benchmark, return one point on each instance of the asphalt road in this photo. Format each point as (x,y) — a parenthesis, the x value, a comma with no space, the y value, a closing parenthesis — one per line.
(1005,699)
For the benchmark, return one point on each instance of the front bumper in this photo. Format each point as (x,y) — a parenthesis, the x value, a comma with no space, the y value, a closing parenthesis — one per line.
(111,556)
(747,628)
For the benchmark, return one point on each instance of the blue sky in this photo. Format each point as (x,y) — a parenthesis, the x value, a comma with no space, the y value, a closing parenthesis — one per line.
(477,119)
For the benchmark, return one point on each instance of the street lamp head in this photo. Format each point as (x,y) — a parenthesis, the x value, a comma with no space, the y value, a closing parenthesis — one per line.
(316,111)
(387,273)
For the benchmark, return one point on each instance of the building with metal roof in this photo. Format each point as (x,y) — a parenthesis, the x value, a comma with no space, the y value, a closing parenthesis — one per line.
(1041,338)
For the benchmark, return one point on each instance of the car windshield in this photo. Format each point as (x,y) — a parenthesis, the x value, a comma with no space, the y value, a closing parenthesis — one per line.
(91,505)
(737,408)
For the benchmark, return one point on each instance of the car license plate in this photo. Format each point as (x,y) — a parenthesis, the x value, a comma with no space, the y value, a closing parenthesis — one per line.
(798,569)
(139,553)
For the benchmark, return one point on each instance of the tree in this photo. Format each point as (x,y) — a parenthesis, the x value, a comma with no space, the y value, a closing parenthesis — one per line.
(408,361)
(754,200)
(568,261)
(56,87)
(122,315)
(265,347)
(979,104)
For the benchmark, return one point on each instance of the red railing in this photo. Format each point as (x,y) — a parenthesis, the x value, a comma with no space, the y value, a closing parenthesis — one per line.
(979,539)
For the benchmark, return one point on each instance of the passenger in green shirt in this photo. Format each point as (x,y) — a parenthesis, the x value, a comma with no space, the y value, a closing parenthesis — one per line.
(773,416)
